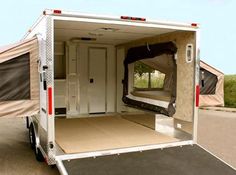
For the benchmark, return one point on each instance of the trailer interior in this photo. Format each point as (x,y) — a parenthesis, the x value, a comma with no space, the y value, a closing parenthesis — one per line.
(120,86)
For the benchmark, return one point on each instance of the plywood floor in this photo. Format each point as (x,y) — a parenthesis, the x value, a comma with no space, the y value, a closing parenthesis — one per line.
(147,120)
(102,133)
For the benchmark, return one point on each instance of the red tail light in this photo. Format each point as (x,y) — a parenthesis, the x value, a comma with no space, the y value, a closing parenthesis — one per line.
(50,101)
(197,95)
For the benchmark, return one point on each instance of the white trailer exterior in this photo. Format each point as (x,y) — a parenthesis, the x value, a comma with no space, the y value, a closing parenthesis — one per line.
(63,33)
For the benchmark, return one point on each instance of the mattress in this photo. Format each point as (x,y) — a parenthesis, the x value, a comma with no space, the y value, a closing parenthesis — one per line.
(154,95)
(155,102)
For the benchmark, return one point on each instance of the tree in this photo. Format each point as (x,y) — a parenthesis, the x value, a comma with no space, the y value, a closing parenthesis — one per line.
(141,68)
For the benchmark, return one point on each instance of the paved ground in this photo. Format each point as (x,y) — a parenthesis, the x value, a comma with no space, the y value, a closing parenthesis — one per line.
(16,156)
(219,109)
(217,132)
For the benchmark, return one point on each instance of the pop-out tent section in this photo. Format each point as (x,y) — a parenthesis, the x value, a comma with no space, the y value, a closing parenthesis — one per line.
(211,86)
(19,81)
(159,57)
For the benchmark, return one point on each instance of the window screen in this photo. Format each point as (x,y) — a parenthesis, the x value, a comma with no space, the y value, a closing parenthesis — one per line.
(208,82)
(146,77)
(15,78)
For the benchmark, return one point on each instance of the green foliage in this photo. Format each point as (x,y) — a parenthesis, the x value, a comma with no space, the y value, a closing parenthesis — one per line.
(230,91)
(142,81)
(141,68)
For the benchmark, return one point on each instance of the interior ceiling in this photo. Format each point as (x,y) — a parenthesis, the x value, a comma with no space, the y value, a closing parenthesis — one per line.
(66,30)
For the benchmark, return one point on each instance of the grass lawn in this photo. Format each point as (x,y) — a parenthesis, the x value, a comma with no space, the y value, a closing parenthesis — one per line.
(230,91)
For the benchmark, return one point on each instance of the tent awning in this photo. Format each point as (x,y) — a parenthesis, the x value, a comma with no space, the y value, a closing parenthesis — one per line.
(19,80)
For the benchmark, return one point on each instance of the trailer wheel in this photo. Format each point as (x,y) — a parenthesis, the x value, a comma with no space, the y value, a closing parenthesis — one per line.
(39,155)
(32,139)
(27,122)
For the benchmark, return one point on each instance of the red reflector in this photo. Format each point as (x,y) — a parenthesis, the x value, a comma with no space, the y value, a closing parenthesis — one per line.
(132,18)
(197,95)
(57,11)
(194,24)
(143,19)
(50,101)
(124,17)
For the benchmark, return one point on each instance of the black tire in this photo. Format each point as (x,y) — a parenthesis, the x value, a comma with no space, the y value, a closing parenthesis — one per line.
(32,139)
(27,122)
(39,155)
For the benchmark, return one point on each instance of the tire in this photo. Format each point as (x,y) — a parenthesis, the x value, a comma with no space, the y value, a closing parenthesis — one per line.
(32,140)
(27,122)
(38,155)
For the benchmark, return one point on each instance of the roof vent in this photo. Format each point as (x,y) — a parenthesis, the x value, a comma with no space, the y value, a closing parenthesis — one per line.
(77,39)
(107,29)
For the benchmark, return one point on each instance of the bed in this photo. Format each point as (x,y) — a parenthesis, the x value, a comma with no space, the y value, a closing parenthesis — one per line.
(161,57)
(154,95)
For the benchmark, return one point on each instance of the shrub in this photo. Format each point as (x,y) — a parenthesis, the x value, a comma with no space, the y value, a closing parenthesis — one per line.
(230,91)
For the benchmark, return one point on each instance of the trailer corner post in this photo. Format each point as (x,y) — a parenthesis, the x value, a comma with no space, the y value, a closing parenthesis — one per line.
(50,91)
(197,88)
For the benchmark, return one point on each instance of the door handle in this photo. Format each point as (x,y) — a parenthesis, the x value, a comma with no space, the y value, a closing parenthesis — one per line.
(91,80)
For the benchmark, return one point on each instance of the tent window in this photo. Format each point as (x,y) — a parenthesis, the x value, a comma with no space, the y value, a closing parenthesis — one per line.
(146,77)
(15,78)
(208,82)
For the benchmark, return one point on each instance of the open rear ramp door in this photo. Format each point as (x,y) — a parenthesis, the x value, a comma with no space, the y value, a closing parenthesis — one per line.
(183,160)
(19,82)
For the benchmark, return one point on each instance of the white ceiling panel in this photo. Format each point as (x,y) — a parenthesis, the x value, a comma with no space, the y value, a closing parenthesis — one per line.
(65,30)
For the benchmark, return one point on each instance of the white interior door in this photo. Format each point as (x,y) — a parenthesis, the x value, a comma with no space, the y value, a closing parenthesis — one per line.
(97,80)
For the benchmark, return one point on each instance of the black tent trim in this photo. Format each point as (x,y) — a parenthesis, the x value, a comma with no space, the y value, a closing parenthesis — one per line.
(145,52)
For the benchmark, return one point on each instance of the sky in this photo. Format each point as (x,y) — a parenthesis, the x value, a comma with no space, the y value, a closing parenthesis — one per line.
(216,18)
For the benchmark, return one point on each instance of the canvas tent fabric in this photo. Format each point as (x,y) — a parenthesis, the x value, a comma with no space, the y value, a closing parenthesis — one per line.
(211,86)
(19,81)
(160,56)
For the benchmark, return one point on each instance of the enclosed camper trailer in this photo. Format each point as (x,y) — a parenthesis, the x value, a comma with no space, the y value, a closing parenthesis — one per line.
(103,85)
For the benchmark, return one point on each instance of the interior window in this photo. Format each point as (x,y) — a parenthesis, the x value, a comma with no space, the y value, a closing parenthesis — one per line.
(15,78)
(146,77)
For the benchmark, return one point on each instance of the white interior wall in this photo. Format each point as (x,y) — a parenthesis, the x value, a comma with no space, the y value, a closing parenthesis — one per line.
(120,56)
(59,84)
(72,83)
(111,79)
(83,77)
(72,92)
(131,78)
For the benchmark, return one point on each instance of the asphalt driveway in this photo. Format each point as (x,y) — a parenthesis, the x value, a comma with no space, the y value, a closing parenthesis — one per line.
(216,132)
